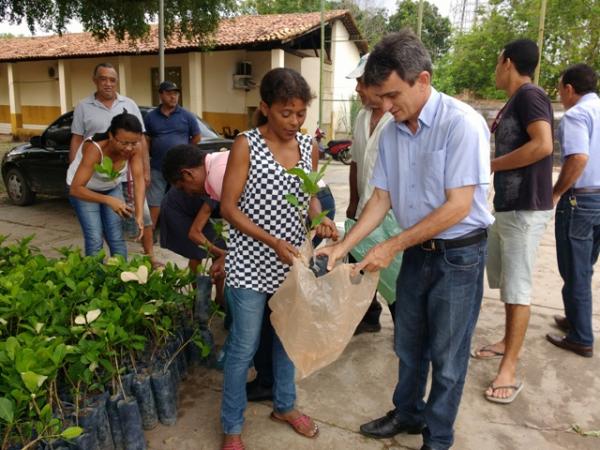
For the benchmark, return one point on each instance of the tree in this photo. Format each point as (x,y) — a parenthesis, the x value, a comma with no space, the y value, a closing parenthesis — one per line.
(371,20)
(280,6)
(435,30)
(125,18)
(572,35)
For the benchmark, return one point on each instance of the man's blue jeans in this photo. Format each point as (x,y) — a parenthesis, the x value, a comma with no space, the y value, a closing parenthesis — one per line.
(98,222)
(437,305)
(247,309)
(577,232)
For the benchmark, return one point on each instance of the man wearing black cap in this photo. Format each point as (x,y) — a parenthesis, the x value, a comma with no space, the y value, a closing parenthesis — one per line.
(167,125)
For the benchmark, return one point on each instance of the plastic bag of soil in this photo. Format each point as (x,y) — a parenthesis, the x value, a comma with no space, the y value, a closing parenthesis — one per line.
(315,317)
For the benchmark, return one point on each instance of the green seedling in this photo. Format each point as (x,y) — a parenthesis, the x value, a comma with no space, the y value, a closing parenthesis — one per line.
(309,184)
(106,167)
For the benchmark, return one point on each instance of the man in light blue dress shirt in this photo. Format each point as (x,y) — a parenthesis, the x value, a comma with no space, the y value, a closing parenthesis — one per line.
(577,196)
(433,171)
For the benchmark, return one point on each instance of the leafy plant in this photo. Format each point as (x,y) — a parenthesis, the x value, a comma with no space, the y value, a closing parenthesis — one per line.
(309,184)
(106,167)
(72,326)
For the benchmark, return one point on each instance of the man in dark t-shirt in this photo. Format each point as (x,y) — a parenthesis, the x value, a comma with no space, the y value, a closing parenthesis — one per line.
(522,202)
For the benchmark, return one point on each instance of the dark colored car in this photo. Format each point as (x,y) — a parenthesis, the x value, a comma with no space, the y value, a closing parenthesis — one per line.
(40,167)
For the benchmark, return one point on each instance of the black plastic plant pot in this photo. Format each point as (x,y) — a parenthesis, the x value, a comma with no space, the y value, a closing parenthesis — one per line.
(131,424)
(318,265)
(88,419)
(165,396)
(142,389)
(182,364)
(94,418)
(202,302)
(86,441)
(115,422)
(127,379)
(103,430)
(188,350)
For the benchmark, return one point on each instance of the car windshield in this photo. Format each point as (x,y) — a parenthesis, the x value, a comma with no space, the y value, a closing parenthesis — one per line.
(206,131)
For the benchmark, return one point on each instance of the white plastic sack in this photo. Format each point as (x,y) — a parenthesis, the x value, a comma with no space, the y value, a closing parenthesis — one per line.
(315,318)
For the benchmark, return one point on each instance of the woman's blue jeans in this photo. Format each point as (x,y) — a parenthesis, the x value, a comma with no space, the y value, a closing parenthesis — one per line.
(99,222)
(577,232)
(247,308)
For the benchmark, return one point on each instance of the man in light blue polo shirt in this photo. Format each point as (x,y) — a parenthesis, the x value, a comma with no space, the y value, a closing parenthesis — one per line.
(433,170)
(577,196)
(167,125)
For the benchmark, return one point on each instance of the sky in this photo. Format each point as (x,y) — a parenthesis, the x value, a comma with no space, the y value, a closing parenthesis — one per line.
(74,27)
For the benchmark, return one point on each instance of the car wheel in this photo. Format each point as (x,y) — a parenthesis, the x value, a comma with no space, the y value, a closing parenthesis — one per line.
(18,188)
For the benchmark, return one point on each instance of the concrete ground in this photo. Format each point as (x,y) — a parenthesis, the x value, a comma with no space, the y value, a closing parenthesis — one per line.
(561,389)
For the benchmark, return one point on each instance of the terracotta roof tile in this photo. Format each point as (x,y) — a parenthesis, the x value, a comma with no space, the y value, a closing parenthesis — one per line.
(237,31)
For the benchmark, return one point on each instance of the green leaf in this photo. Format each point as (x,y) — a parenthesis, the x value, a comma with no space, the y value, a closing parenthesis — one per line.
(316,221)
(106,168)
(292,200)
(148,309)
(7,410)
(71,432)
(300,173)
(11,347)
(46,413)
(59,353)
(33,381)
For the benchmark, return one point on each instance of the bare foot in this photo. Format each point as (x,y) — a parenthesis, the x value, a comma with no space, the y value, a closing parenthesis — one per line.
(502,380)
(490,351)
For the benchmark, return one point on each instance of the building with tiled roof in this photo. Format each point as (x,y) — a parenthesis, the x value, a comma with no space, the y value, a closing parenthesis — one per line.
(42,77)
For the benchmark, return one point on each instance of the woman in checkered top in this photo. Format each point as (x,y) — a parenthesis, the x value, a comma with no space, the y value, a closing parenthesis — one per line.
(265,237)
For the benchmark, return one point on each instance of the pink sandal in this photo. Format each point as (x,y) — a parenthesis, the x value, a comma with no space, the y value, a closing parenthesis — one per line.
(298,424)
(235,444)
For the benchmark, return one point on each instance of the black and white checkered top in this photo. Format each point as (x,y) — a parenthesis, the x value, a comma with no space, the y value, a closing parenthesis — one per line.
(249,263)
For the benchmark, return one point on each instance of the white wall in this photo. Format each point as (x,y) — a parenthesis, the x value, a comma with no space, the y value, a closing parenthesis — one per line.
(310,71)
(345,57)
(220,96)
(36,86)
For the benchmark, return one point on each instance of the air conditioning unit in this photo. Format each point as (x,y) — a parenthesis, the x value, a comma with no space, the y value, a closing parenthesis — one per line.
(53,72)
(243,82)
(244,68)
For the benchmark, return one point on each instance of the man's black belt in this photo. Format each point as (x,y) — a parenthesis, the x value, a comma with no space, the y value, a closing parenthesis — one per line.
(588,190)
(474,237)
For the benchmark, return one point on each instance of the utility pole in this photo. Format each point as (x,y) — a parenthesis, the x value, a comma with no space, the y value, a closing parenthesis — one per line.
(540,42)
(420,19)
(161,40)
(321,62)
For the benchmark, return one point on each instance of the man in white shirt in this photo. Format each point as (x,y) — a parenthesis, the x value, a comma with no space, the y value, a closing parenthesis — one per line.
(367,127)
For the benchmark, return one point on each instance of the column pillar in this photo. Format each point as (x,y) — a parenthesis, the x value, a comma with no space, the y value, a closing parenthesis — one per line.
(124,73)
(14,99)
(196,96)
(64,86)
(277,58)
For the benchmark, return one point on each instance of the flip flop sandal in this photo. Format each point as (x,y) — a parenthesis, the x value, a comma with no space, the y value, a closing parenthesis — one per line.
(487,349)
(517,388)
(236,444)
(301,421)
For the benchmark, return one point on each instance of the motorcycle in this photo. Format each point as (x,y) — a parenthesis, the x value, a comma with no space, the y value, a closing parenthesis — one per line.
(339,149)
